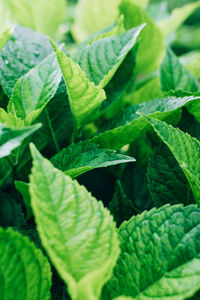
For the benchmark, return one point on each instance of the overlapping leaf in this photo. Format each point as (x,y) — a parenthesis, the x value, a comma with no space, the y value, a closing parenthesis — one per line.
(5,35)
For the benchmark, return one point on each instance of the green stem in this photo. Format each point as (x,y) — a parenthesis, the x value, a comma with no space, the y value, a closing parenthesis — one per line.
(52,131)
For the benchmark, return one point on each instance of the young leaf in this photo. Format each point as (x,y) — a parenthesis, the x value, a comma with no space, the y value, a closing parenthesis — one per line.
(5,35)
(166,181)
(185,149)
(23,188)
(101,59)
(92,16)
(76,230)
(24,50)
(38,14)
(25,271)
(11,138)
(160,255)
(82,157)
(9,120)
(35,89)
(129,125)
(174,76)
(85,98)
(151,47)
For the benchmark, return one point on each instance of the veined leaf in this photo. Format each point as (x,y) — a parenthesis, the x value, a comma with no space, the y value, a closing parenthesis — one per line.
(79,158)
(5,35)
(186,151)
(25,271)
(85,98)
(35,89)
(129,125)
(38,14)
(177,17)
(11,138)
(24,50)
(160,255)
(151,47)
(9,120)
(101,59)
(174,76)
(92,16)
(76,230)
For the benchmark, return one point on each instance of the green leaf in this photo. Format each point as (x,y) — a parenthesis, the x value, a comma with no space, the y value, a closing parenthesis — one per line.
(177,17)
(85,98)
(23,188)
(191,61)
(82,157)
(186,151)
(129,125)
(35,89)
(6,173)
(76,230)
(38,14)
(5,35)
(25,271)
(160,255)
(151,47)
(9,120)
(174,76)
(11,138)
(166,181)
(92,16)
(142,3)
(24,50)
(101,59)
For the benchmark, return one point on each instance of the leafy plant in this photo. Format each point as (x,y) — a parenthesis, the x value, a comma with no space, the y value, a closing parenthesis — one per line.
(99,150)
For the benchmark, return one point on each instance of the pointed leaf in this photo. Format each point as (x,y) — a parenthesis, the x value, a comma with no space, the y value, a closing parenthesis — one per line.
(25,271)
(11,138)
(128,126)
(101,59)
(76,230)
(9,120)
(5,35)
(82,157)
(160,255)
(174,76)
(186,151)
(35,89)
(85,98)
(23,188)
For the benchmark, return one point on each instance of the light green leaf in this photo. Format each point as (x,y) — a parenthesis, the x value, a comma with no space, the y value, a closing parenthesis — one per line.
(38,14)
(192,62)
(5,35)
(160,255)
(174,76)
(23,188)
(92,16)
(76,230)
(151,47)
(176,18)
(35,89)
(129,125)
(25,271)
(85,98)
(9,120)
(142,3)
(82,157)
(101,59)
(186,151)
(11,138)
(123,298)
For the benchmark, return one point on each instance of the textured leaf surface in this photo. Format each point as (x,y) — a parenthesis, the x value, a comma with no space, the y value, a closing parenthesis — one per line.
(129,125)
(5,35)
(85,98)
(35,89)
(160,255)
(24,50)
(25,271)
(166,181)
(175,76)
(151,45)
(38,14)
(11,138)
(9,120)
(101,59)
(94,15)
(23,188)
(186,151)
(79,158)
(76,230)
